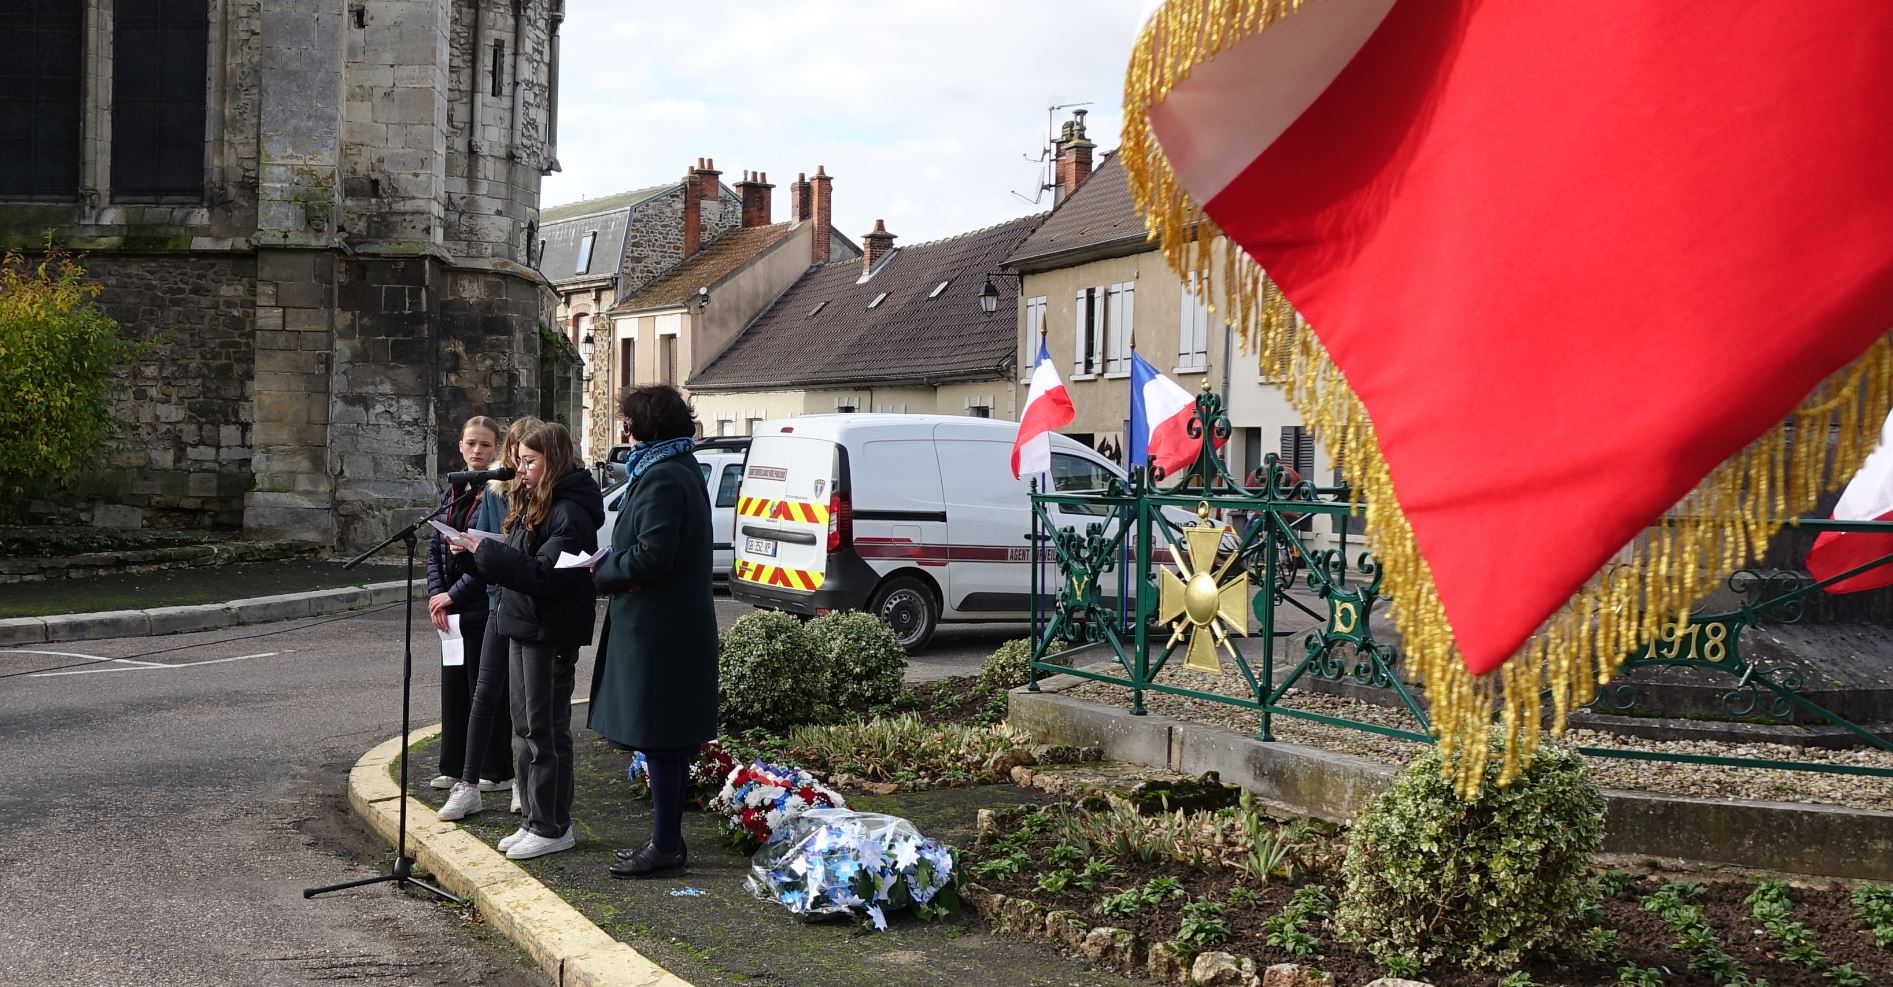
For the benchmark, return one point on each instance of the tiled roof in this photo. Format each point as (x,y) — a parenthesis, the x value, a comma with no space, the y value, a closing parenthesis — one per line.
(565,241)
(1100,211)
(821,332)
(723,257)
(607,203)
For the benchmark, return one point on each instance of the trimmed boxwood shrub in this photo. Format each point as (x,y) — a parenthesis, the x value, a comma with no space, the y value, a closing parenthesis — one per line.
(861,657)
(1007,667)
(1480,882)
(769,674)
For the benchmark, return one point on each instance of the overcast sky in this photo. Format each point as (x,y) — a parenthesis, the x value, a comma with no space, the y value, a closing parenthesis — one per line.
(926,112)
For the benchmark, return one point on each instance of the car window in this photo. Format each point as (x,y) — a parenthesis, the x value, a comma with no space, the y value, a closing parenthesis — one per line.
(732,481)
(1072,474)
(705,467)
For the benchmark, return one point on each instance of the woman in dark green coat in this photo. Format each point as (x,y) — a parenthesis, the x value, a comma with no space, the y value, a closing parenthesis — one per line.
(654,684)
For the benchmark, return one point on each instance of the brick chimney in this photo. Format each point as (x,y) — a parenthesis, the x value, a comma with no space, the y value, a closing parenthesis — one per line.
(710,191)
(1073,157)
(821,200)
(798,198)
(755,190)
(693,213)
(875,246)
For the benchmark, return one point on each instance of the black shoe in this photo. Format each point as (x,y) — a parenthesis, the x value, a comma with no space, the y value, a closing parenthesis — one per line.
(646,862)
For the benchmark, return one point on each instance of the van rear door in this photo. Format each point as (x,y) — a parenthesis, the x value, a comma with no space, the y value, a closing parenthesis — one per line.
(783,510)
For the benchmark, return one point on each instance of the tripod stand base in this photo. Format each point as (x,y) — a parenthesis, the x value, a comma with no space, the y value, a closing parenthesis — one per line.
(400,875)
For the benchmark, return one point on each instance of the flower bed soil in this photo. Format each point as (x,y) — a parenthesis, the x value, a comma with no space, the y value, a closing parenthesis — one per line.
(1644,939)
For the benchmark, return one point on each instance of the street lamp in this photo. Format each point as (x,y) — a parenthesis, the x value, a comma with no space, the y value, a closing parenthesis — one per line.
(989,292)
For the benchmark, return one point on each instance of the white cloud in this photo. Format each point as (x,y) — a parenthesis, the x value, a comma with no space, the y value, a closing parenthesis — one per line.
(924,113)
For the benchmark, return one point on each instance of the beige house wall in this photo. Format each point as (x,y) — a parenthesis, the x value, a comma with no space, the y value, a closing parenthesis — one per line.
(1256,407)
(741,297)
(1101,402)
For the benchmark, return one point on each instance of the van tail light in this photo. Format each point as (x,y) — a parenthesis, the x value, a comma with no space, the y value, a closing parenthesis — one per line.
(840,524)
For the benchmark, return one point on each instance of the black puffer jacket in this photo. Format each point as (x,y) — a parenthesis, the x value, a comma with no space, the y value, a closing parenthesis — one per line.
(537,602)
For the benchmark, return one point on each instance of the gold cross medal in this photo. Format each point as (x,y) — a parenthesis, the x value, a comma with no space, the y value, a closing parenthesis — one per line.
(1197,603)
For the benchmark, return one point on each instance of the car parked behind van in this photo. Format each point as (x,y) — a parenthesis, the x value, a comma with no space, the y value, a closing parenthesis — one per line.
(721,461)
(914,518)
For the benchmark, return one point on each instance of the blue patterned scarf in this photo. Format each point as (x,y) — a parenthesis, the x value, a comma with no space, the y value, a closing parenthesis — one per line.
(645,455)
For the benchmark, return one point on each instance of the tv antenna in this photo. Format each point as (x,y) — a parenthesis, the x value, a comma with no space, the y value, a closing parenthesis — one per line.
(1048,154)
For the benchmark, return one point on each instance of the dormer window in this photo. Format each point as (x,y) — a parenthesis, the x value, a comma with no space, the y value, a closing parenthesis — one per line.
(585,252)
(878,299)
(817,310)
(938,288)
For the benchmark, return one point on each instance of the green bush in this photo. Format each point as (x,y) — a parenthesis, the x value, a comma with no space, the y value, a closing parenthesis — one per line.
(1479,882)
(770,676)
(59,356)
(1007,667)
(861,657)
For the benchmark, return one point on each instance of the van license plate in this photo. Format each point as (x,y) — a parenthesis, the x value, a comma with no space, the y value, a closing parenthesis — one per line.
(759,546)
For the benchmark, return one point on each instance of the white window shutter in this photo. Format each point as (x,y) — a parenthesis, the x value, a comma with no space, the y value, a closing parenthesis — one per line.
(1127,302)
(1078,306)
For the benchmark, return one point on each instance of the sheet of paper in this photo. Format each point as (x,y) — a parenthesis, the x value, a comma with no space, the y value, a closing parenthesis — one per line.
(474,533)
(453,648)
(573,560)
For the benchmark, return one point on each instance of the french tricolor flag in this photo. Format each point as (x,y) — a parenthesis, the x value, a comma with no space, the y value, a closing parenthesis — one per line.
(1047,408)
(1868,498)
(1160,420)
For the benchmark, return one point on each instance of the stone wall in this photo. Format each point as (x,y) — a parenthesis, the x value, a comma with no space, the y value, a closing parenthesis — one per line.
(490,352)
(184,458)
(353,277)
(294,488)
(654,239)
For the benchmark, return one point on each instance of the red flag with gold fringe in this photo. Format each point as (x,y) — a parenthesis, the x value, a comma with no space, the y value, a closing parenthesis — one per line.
(1572,274)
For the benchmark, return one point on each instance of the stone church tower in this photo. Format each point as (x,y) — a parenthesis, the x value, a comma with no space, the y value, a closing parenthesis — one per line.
(321,213)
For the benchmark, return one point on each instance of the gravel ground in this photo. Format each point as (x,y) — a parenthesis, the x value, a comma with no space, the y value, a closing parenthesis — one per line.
(1700,780)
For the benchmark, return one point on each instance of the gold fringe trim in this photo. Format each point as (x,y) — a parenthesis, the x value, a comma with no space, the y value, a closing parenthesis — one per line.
(1729,517)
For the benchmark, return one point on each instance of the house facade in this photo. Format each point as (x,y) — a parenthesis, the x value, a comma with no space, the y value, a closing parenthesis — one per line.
(1092,285)
(319,213)
(653,281)
(899,330)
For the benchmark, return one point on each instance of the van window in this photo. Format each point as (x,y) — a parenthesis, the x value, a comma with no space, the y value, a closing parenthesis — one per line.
(1073,474)
(732,481)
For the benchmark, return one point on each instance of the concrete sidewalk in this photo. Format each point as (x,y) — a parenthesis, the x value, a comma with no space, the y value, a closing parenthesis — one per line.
(200,617)
(571,950)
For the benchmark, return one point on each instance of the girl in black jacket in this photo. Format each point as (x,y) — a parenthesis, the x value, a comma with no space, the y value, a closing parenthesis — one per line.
(454,592)
(545,615)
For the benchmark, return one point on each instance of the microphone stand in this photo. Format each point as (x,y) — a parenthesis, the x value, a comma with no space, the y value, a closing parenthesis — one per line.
(401,873)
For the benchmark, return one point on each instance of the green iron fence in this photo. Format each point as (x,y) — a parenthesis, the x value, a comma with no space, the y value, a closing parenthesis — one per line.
(1105,595)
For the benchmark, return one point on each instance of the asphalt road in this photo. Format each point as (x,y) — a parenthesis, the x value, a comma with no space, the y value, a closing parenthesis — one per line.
(163,812)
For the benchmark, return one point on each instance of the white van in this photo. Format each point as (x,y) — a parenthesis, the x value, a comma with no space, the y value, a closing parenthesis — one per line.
(914,518)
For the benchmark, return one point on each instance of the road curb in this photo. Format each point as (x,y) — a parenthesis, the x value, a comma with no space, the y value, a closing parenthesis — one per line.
(561,940)
(54,628)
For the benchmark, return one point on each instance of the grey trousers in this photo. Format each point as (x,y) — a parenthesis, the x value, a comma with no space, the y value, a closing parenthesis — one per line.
(541,678)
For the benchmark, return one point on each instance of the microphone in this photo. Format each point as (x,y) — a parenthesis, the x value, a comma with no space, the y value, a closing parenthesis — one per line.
(470,477)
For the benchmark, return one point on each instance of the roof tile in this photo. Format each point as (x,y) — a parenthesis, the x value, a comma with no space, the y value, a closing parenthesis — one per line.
(724,256)
(1098,212)
(909,336)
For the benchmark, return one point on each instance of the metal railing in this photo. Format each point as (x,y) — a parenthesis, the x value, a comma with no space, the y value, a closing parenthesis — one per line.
(1108,597)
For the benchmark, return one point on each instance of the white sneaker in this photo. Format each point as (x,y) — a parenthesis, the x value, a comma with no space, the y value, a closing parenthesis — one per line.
(515,809)
(443,782)
(464,802)
(533,845)
(496,786)
(506,842)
